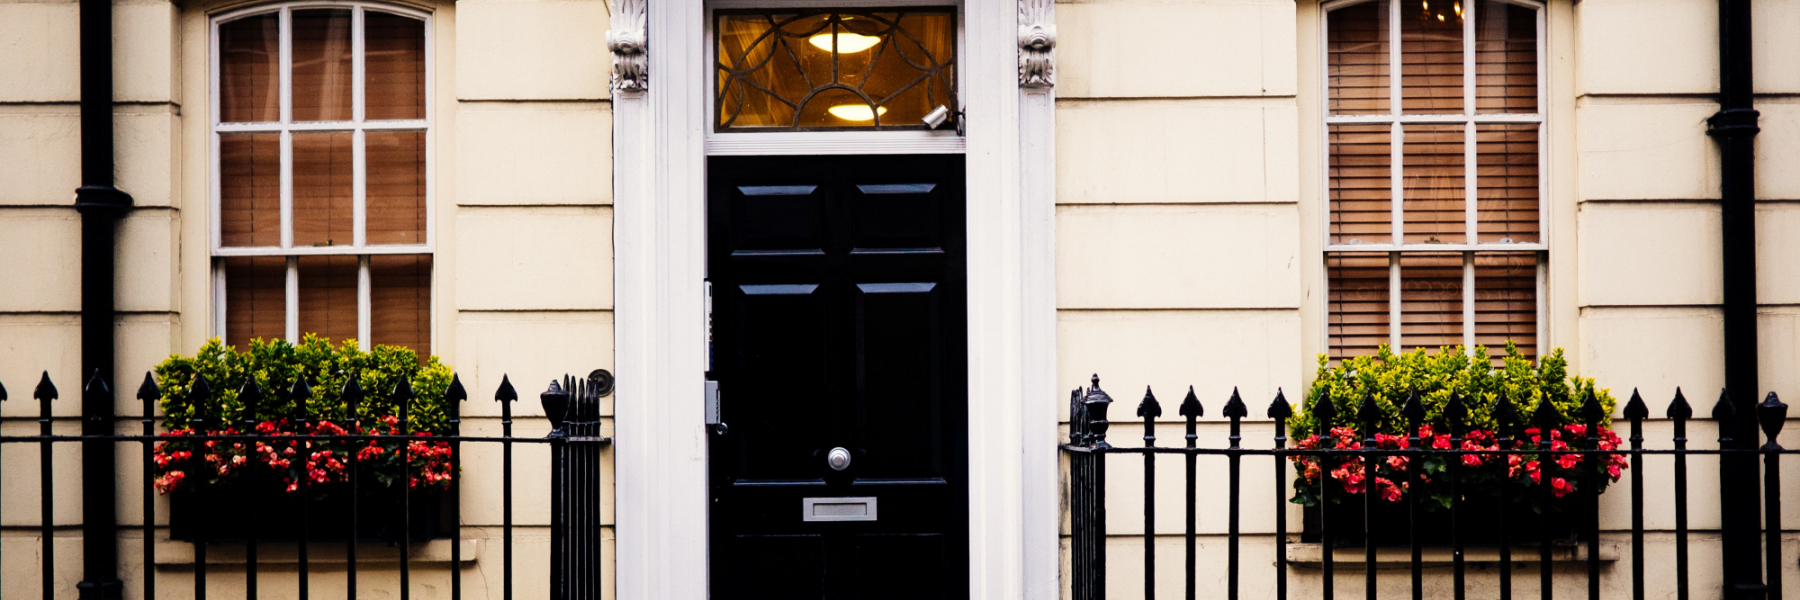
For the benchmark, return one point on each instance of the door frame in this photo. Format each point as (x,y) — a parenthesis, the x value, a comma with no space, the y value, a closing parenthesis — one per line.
(659,262)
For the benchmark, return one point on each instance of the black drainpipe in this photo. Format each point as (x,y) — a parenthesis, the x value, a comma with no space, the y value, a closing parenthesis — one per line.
(100,205)
(1734,128)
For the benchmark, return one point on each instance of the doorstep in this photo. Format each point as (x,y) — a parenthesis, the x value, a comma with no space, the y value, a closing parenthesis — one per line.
(1309,555)
(176,552)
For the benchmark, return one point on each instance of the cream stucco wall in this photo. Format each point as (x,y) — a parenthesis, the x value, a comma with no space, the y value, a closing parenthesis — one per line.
(521,172)
(1188,227)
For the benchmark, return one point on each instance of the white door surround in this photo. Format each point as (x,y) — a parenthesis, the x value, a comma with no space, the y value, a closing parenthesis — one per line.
(661,113)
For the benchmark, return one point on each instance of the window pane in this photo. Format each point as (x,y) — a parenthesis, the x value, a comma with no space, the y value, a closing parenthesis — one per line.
(1506,301)
(1435,184)
(1505,58)
(255,299)
(1357,55)
(1507,183)
(400,302)
(323,187)
(1362,185)
(321,80)
(1431,300)
(249,69)
(394,64)
(1431,58)
(250,189)
(823,70)
(328,297)
(395,195)
(1359,303)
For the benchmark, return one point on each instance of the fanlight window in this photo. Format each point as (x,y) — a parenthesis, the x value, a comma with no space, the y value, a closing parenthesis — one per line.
(789,70)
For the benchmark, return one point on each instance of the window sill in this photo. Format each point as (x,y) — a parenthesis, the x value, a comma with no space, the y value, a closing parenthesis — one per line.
(176,552)
(1306,555)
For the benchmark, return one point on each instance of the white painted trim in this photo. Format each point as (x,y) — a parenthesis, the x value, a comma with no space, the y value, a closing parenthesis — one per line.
(659,150)
(1470,119)
(286,127)
(834,142)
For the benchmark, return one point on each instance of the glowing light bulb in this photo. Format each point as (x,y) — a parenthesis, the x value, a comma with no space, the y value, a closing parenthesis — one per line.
(1440,18)
(855,112)
(1425,4)
(846,42)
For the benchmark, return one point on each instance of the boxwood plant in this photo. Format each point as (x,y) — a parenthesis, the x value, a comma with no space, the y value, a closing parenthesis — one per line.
(299,457)
(1389,379)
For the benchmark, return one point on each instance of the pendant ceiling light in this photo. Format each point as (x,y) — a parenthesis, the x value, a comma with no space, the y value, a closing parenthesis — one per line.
(846,42)
(856,112)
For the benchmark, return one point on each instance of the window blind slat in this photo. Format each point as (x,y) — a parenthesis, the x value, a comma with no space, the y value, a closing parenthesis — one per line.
(324,206)
(250,189)
(1357,59)
(393,67)
(1435,184)
(1431,61)
(322,72)
(328,297)
(1506,301)
(255,299)
(1358,322)
(1505,58)
(400,302)
(1431,300)
(1507,182)
(249,69)
(1361,172)
(395,187)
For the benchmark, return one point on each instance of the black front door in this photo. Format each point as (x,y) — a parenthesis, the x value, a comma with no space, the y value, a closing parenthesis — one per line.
(838,341)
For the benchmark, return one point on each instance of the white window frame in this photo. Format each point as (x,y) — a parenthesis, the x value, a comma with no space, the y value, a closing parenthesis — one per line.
(286,127)
(1469,120)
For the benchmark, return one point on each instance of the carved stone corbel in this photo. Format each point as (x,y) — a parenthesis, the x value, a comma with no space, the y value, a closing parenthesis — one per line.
(1037,44)
(628,42)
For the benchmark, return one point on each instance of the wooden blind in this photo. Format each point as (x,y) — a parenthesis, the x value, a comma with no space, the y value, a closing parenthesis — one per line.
(250,189)
(400,301)
(1432,170)
(1362,186)
(1357,59)
(250,70)
(1505,58)
(1431,61)
(328,297)
(395,182)
(324,184)
(1506,301)
(393,66)
(1506,180)
(1359,296)
(1431,300)
(255,299)
(322,57)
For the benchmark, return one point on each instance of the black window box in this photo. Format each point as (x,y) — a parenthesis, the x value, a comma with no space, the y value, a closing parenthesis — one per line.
(237,512)
(1477,516)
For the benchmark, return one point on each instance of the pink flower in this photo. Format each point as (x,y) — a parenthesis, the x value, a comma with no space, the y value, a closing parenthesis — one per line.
(1568,461)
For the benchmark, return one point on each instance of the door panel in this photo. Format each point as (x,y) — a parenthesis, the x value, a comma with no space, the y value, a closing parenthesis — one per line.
(838,321)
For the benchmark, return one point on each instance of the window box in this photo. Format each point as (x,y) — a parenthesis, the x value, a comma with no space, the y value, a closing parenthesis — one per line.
(1479,524)
(238,512)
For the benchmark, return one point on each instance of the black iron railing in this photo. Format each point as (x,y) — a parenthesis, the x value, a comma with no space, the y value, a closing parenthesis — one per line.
(1088,450)
(575,446)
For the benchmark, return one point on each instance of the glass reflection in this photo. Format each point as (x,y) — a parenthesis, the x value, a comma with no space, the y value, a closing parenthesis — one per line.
(789,70)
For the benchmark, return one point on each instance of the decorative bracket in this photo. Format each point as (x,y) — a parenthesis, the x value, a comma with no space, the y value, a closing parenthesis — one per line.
(1037,43)
(628,41)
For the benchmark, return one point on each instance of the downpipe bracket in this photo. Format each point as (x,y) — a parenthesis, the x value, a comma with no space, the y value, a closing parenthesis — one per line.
(1733,122)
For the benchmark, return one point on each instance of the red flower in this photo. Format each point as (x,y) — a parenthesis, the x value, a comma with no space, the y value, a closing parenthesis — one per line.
(1562,486)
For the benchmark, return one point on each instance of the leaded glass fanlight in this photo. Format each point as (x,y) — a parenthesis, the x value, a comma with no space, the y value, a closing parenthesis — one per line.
(788,70)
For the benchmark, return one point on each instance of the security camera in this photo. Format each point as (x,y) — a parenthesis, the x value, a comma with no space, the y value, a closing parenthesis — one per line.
(936,117)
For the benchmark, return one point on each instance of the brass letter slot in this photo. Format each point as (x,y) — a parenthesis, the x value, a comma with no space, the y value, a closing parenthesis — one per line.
(838,509)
